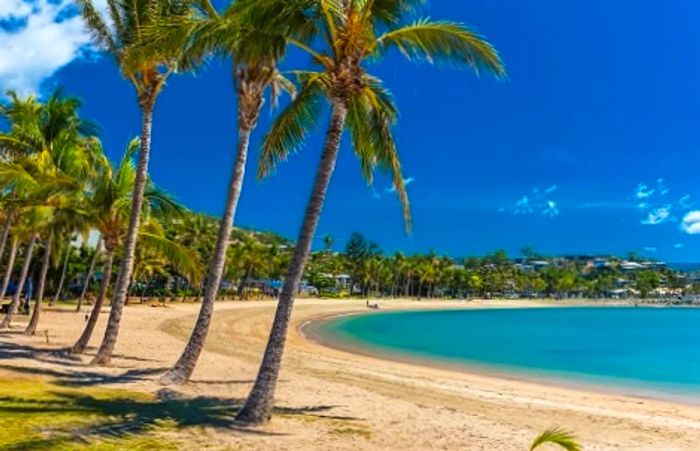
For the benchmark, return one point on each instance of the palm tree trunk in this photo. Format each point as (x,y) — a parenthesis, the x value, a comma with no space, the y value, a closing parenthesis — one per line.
(104,354)
(5,233)
(184,367)
(14,305)
(91,272)
(258,406)
(80,345)
(59,289)
(10,267)
(36,312)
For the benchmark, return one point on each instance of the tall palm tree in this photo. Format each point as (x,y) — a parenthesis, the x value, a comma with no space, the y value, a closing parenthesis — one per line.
(121,37)
(108,209)
(353,31)
(254,56)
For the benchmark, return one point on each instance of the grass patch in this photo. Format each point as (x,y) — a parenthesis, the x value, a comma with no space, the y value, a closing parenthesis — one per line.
(37,413)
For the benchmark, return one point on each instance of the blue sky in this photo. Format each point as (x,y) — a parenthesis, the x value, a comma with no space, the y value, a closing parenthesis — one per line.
(592,145)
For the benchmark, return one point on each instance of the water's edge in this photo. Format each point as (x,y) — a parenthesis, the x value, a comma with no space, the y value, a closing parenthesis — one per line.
(313,330)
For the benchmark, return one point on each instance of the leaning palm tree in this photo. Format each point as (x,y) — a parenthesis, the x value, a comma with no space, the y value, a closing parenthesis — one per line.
(148,74)
(254,57)
(108,209)
(353,31)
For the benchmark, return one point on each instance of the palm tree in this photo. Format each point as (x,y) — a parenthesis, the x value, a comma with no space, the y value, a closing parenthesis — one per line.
(254,57)
(148,73)
(10,266)
(30,218)
(58,151)
(90,274)
(359,102)
(108,208)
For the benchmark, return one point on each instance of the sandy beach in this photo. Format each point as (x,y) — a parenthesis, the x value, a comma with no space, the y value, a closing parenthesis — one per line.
(334,399)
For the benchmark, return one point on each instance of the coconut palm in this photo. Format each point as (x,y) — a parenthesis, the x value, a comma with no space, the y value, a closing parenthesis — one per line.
(353,31)
(254,56)
(54,146)
(121,36)
(21,114)
(108,209)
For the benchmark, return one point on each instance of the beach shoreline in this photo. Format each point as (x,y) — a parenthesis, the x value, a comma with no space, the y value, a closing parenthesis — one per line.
(350,401)
(312,330)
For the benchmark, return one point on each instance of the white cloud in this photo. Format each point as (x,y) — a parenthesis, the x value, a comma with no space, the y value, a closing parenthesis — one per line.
(643,191)
(658,216)
(551,189)
(650,249)
(550,210)
(691,223)
(679,246)
(14,8)
(47,36)
(522,206)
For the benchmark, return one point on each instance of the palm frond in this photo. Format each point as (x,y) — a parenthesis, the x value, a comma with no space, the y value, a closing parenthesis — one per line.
(182,258)
(371,115)
(392,11)
(558,437)
(293,124)
(98,27)
(444,42)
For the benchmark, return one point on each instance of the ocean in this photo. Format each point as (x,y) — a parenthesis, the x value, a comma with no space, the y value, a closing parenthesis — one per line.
(654,351)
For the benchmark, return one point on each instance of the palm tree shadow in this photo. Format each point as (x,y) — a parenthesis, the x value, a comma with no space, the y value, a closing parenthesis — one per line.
(128,417)
(86,378)
(9,351)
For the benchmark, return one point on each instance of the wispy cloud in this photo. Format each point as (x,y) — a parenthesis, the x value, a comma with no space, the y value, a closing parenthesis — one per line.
(643,191)
(551,209)
(538,201)
(42,37)
(691,223)
(685,202)
(678,246)
(523,207)
(658,216)
(650,249)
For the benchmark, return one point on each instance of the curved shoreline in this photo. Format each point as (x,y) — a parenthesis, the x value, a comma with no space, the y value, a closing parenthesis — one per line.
(309,330)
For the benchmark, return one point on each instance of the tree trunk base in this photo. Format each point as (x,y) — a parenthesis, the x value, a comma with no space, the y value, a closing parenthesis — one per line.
(249,417)
(101,359)
(173,377)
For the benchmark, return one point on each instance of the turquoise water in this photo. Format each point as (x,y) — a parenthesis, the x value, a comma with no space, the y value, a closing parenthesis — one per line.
(639,349)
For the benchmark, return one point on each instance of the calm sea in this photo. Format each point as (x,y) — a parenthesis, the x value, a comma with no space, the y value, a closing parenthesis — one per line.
(653,351)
